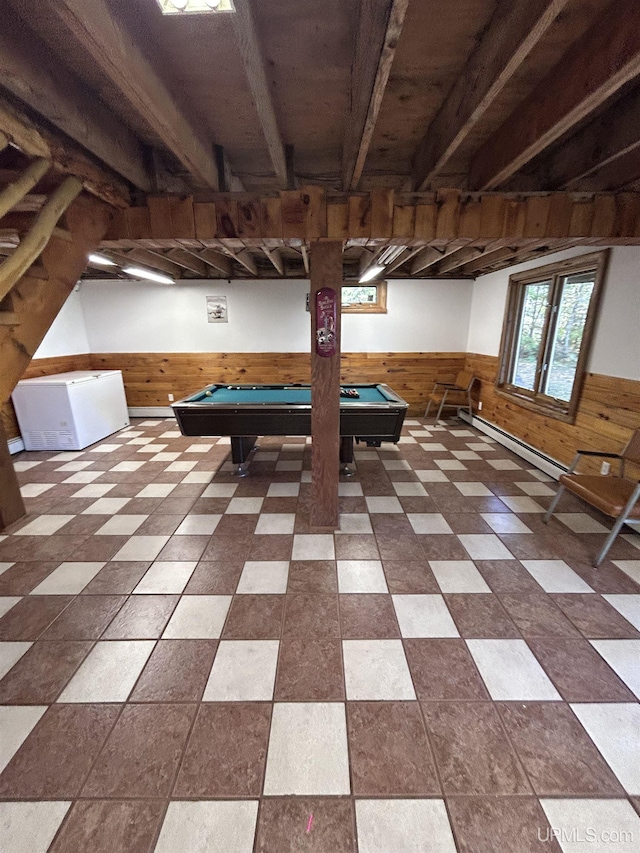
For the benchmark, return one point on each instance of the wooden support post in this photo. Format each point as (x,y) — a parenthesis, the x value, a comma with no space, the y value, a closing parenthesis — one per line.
(325,272)
(11,503)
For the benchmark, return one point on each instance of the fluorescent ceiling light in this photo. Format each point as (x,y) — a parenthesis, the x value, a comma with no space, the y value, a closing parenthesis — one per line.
(139,272)
(198,7)
(101,260)
(370,273)
(390,254)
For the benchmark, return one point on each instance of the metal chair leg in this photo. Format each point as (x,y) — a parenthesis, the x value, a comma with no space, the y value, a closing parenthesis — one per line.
(427,409)
(618,525)
(444,397)
(554,504)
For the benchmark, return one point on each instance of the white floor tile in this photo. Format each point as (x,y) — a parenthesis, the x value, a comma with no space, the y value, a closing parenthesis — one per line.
(450,465)
(465,454)
(156,490)
(308,750)
(406,490)
(396,464)
(474,490)
(505,522)
(216,826)
(198,525)
(165,578)
(510,671)
(522,504)
(30,827)
(614,727)
(484,546)
(94,490)
(355,522)
(10,654)
(479,447)
(109,672)
(141,548)
(313,546)
(283,490)
(165,457)
(503,464)
(266,455)
(361,576)
(433,447)
(264,577)
(198,617)
(32,490)
(535,489)
(25,466)
(383,504)
(555,576)
(106,506)
(458,576)
(289,465)
(220,490)
(428,522)
(68,579)
(4,567)
(628,606)
(44,525)
(403,826)
(243,671)
(431,476)
(623,656)
(376,669)
(580,522)
(629,567)
(152,448)
(424,616)
(185,466)
(74,466)
(84,477)
(7,602)
(121,525)
(16,723)
(242,506)
(198,477)
(632,539)
(105,448)
(592,826)
(172,433)
(276,523)
(350,490)
(128,466)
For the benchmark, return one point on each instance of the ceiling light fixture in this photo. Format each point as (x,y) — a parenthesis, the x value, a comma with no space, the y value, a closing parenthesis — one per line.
(370,273)
(101,260)
(198,7)
(139,272)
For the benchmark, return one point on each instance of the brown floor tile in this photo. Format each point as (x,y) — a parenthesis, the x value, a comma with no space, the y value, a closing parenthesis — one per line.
(254,617)
(141,755)
(21,578)
(416,503)
(490,824)
(159,525)
(356,547)
(390,754)
(526,546)
(283,822)
(54,760)
(85,618)
(392,523)
(607,579)
(177,671)
(98,548)
(309,670)
(480,615)
(142,617)
(313,575)
(214,578)
(467,522)
(40,548)
(442,547)
(310,615)
(507,576)
(227,548)
(116,579)
(352,504)
(42,673)
(367,617)
(594,617)
(443,669)
(409,577)
(537,616)
(578,671)
(236,525)
(226,752)
(472,751)
(401,546)
(271,547)
(109,826)
(184,548)
(31,616)
(557,753)
(279,505)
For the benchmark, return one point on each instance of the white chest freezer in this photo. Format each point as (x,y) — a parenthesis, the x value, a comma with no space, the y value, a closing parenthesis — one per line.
(69,411)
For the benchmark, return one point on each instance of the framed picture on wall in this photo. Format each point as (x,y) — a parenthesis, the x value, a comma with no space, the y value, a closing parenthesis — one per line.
(217,309)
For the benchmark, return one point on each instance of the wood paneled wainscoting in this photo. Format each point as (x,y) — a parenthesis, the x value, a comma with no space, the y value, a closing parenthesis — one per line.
(609,410)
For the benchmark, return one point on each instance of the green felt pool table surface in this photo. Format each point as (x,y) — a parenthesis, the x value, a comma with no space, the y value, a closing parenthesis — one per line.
(282,395)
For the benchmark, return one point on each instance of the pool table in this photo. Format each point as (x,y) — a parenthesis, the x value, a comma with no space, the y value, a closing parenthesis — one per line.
(373,414)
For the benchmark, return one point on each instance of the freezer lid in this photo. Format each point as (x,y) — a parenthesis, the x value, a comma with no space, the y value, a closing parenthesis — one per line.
(74,377)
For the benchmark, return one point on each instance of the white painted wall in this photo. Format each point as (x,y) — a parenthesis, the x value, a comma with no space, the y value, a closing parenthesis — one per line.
(268,316)
(67,334)
(616,345)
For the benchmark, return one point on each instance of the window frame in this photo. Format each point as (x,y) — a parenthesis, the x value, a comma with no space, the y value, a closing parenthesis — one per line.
(536,400)
(377,307)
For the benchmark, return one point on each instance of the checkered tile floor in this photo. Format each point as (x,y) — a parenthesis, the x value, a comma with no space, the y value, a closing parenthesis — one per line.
(184,667)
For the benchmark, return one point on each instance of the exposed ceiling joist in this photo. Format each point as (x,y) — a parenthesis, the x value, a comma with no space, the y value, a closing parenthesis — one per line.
(458,259)
(145,258)
(246,260)
(190,262)
(275,257)
(516,28)
(32,75)
(425,258)
(379,27)
(111,47)
(254,66)
(305,258)
(217,260)
(606,58)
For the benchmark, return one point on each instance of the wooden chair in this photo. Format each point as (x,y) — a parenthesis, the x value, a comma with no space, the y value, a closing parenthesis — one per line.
(456,394)
(615,496)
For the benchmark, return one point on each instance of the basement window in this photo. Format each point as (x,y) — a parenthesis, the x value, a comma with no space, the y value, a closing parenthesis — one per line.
(365,298)
(198,7)
(547,334)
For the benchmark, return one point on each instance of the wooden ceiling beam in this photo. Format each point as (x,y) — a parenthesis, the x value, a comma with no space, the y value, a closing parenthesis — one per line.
(154,261)
(276,259)
(252,58)
(516,28)
(245,259)
(217,260)
(185,259)
(606,58)
(458,259)
(425,258)
(33,75)
(378,32)
(111,47)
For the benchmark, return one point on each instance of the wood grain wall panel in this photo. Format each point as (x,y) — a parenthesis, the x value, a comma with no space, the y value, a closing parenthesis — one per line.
(608,412)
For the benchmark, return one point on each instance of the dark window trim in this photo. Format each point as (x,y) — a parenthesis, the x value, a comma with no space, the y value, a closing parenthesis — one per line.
(534,401)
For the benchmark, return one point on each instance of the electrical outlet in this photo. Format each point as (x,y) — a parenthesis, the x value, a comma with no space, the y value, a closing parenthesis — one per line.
(170,396)
(479,405)
(605,468)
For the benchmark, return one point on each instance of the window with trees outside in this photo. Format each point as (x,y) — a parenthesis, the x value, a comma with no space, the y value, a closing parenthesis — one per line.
(547,333)
(370,298)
